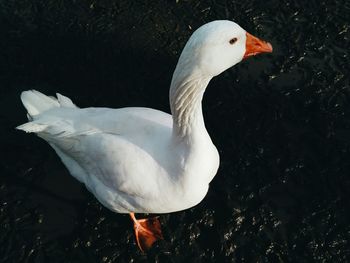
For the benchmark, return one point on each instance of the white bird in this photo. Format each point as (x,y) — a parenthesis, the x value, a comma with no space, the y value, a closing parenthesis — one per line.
(142,160)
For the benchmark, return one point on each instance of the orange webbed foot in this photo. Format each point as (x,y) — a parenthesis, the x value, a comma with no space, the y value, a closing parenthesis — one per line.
(147,231)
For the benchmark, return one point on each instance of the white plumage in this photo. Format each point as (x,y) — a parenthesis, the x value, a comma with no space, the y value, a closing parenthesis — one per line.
(140,159)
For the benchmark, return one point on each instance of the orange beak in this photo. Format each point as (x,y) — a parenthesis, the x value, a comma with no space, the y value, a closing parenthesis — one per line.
(254,45)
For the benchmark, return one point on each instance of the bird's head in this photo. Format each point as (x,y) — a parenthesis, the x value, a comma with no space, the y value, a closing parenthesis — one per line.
(218,45)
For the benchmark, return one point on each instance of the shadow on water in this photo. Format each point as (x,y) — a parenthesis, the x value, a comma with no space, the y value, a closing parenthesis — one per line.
(280,122)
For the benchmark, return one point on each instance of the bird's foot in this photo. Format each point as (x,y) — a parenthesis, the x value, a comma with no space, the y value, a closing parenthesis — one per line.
(147,231)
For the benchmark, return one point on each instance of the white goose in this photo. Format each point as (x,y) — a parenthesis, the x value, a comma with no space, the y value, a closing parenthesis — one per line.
(141,160)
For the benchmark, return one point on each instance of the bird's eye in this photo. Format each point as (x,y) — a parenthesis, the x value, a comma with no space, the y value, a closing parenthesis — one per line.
(233,40)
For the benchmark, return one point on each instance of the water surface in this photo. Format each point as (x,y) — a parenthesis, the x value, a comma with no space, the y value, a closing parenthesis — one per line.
(281,123)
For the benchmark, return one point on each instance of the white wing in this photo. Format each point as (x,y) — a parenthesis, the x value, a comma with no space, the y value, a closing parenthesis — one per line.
(109,149)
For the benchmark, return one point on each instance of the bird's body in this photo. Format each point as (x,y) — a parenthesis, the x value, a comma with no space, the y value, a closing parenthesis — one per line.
(141,160)
(122,156)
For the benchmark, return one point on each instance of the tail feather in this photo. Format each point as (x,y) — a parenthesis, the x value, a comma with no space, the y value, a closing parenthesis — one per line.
(35,102)
(32,127)
(65,101)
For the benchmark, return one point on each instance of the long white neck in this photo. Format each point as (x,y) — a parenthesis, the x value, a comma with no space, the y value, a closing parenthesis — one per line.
(186,93)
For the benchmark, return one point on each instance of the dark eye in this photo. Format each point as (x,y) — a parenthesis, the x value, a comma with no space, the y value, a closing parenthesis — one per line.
(233,40)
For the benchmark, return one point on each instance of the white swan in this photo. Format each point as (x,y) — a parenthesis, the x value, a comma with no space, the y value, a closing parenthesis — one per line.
(141,160)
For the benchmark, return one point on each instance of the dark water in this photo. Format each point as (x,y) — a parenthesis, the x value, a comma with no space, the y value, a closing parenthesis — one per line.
(281,123)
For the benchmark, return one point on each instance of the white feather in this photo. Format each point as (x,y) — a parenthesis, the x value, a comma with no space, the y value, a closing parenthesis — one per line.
(138,159)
